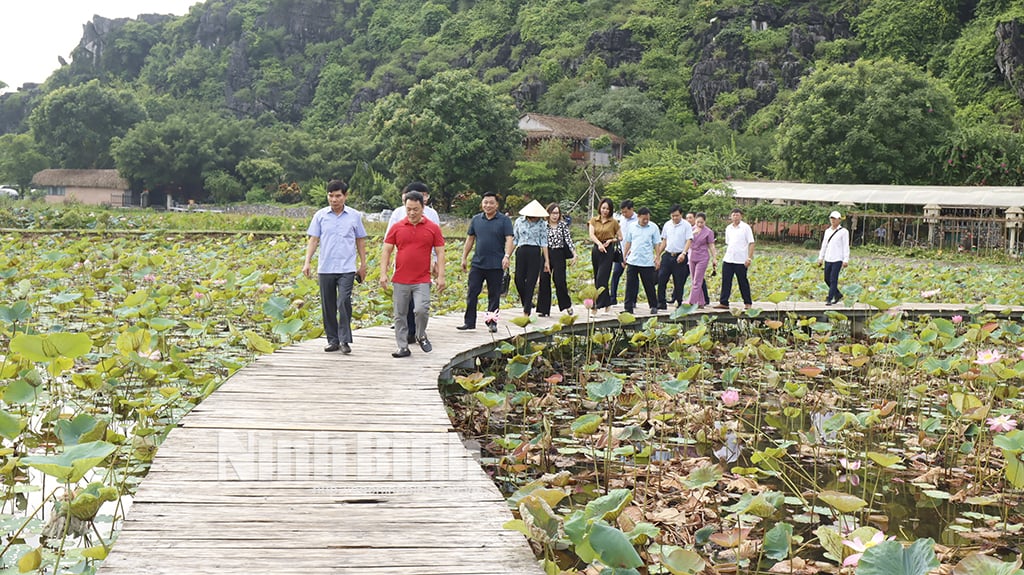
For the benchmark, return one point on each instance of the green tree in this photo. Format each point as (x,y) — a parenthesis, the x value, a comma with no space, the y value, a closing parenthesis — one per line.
(450,131)
(910,30)
(655,188)
(870,122)
(75,125)
(536,180)
(177,155)
(626,112)
(19,159)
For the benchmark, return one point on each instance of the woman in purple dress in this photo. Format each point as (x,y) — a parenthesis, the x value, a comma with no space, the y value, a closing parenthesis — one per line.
(702,254)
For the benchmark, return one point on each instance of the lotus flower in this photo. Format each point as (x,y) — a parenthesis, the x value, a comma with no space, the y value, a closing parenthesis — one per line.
(849,465)
(861,547)
(958,319)
(588,303)
(491,316)
(150,278)
(988,356)
(1002,423)
(730,397)
(930,293)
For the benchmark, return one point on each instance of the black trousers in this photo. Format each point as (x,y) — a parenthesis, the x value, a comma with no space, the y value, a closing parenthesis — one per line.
(477,277)
(832,270)
(336,306)
(602,263)
(740,272)
(617,270)
(635,275)
(678,273)
(529,264)
(557,258)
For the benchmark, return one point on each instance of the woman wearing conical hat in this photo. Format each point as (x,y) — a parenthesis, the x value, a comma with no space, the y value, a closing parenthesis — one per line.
(530,236)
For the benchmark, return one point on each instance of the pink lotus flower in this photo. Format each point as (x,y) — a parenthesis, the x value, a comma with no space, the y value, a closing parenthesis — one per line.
(849,465)
(1021,349)
(988,356)
(957,319)
(197,295)
(1003,423)
(860,547)
(930,293)
(730,397)
(588,303)
(491,316)
(149,278)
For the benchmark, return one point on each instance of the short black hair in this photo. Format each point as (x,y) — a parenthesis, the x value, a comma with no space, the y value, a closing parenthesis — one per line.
(416,187)
(643,212)
(414,196)
(700,215)
(625,204)
(337,186)
(736,211)
(675,208)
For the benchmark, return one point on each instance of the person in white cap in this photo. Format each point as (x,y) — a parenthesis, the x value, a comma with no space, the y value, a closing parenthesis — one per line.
(835,255)
(530,236)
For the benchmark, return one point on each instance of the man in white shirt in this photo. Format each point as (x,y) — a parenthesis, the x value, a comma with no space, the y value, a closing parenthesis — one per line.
(626,217)
(835,255)
(674,235)
(398,215)
(739,254)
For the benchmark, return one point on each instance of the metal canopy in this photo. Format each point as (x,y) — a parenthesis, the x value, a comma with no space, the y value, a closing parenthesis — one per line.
(945,196)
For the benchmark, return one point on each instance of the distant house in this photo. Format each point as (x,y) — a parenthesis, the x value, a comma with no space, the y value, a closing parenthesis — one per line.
(96,187)
(577,134)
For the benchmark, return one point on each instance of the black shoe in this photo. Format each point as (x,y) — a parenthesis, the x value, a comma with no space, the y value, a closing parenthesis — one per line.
(663,306)
(346,349)
(492,327)
(654,311)
(332,347)
(829,302)
(628,310)
(425,345)
(544,315)
(404,352)
(464,327)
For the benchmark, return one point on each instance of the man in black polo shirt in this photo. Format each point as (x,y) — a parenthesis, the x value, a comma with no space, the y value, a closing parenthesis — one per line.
(491,233)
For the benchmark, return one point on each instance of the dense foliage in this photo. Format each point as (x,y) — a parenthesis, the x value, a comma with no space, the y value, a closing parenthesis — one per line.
(240,97)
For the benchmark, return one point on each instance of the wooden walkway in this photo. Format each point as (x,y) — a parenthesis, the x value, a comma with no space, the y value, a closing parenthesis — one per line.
(308,462)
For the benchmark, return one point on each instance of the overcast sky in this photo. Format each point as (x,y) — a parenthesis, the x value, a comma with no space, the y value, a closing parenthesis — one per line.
(35,32)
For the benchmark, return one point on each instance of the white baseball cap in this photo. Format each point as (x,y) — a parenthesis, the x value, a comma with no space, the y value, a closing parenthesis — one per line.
(835,215)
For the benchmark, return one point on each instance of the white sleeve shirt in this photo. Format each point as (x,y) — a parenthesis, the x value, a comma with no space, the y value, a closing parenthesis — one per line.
(737,241)
(835,245)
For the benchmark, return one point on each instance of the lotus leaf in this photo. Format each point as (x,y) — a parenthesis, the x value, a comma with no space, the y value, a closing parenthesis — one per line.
(703,477)
(87,502)
(586,424)
(18,312)
(891,558)
(83,428)
(30,561)
(50,346)
(609,506)
(681,561)
(842,502)
(75,461)
(613,547)
(778,541)
(980,564)
(10,425)
(611,386)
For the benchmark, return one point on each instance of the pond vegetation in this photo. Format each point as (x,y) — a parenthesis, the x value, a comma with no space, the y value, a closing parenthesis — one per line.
(778,443)
(107,339)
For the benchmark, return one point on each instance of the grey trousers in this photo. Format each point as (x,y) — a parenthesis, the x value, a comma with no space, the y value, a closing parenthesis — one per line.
(419,295)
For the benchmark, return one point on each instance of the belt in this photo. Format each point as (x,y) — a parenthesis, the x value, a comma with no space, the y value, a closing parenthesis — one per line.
(674,254)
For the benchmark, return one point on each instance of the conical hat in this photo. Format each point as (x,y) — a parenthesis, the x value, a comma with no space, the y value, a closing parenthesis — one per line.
(534,210)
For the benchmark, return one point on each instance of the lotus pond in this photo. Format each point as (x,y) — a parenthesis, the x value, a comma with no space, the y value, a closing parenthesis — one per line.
(108,339)
(775,444)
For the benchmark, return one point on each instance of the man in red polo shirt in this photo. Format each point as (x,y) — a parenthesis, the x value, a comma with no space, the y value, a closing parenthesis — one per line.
(414,237)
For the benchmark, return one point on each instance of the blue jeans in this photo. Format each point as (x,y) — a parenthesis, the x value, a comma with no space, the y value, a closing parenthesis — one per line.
(832,270)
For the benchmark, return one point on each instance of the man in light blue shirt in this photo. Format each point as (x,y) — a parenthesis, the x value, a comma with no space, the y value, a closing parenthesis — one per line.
(338,231)
(626,217)
(674,235)
(642,254)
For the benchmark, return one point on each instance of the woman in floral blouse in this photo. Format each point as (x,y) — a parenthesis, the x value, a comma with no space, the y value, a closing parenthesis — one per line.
(530,236)
(560,252)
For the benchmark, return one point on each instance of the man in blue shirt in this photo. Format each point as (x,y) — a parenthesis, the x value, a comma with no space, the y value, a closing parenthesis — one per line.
(491,233)
(642,254)
(674,235)
(339,232)
(627,217)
